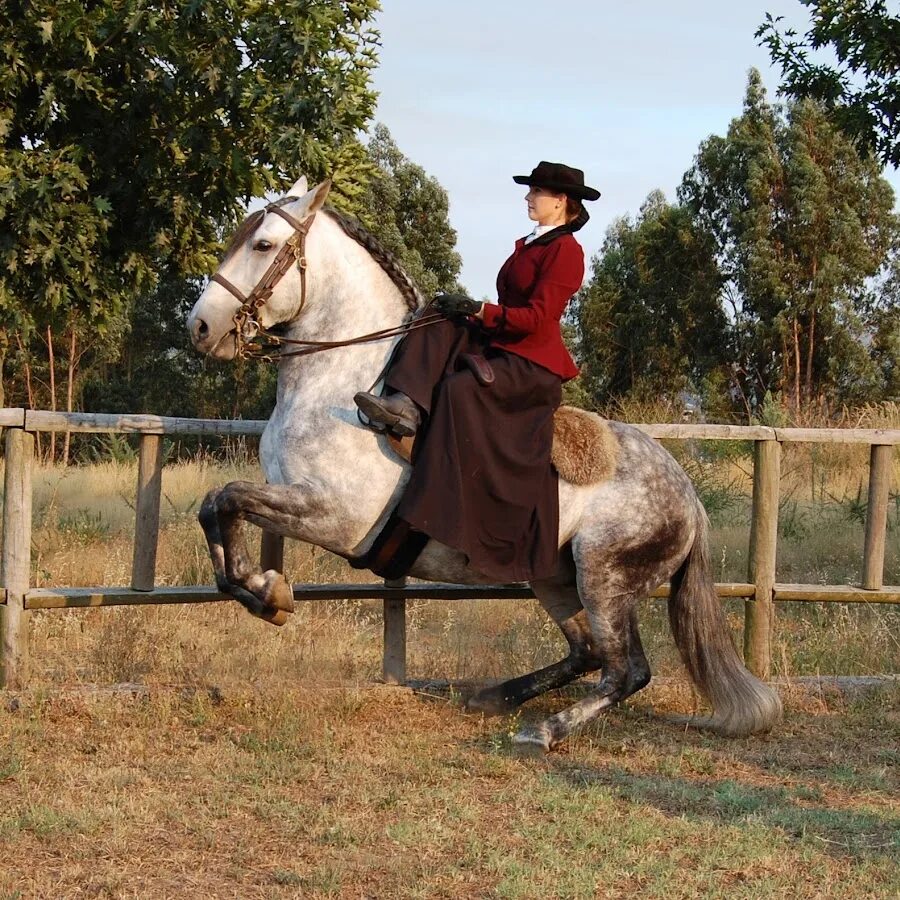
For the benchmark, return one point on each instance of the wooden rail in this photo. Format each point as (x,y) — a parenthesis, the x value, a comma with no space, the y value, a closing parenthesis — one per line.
(760,592)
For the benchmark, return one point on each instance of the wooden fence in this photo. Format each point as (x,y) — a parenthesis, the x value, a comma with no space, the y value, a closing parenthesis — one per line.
(760,591)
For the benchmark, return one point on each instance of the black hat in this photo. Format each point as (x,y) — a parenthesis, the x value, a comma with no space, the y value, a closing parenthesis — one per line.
(558,177)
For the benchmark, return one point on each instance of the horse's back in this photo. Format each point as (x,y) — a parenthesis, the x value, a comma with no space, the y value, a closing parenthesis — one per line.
(647,486)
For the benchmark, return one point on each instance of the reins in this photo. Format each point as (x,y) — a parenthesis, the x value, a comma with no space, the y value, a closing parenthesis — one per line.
(253,340)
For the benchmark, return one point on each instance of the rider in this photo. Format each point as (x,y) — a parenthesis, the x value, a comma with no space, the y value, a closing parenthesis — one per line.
(482,387)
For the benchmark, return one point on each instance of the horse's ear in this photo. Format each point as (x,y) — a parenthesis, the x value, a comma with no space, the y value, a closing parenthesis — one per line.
(300,187)
(318,195)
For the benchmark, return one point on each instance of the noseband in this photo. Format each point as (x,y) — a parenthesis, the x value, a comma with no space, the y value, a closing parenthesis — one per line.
(246,325)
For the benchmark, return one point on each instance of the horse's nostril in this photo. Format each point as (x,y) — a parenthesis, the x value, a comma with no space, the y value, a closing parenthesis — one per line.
(201,329)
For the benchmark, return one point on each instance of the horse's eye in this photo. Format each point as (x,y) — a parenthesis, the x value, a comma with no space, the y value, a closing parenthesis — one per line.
(262,246)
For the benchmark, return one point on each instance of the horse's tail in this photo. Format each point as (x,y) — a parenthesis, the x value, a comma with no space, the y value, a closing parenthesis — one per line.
(741,703)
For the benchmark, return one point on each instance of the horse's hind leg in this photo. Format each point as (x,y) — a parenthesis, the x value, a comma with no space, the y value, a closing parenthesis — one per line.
(562,603)
(625,671)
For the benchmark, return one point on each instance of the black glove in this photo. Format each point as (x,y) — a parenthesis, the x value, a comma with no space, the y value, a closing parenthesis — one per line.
(453,305)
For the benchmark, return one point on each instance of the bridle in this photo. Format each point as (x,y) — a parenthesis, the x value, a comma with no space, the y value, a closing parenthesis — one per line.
(247,326)
(253,340)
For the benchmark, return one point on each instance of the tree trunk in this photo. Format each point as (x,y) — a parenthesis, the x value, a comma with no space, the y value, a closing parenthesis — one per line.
(4,344)
(784,385)
(29,388)
(69,388)
(797,367)
(810,350)
(52,390)
(811,342)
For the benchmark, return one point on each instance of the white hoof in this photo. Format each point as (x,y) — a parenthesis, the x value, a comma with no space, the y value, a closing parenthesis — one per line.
(532,741)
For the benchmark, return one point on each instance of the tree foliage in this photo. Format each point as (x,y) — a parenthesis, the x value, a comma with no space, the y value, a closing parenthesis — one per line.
(133,131)
(649,321)
(802,224)
(403,206)
(849,60)
(409,212)
(776,274)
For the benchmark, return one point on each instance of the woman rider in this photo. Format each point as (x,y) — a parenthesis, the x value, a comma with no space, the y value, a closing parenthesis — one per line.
(481,388)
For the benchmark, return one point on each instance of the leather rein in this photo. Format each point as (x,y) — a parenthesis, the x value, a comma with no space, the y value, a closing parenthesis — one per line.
(253,340)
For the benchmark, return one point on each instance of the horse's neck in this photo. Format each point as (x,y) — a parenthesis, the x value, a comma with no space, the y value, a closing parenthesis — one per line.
(348,295)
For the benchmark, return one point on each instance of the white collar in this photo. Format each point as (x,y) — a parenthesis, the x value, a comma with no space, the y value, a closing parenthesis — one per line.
(538,231)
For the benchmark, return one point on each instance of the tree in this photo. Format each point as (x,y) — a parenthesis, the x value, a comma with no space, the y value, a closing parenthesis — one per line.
(802,224)
(408,210)
(862,86)
(132,133)
(883,323)
(157,353)
(649,322)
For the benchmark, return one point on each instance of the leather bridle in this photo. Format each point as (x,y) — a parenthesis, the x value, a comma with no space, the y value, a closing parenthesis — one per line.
(252,339)
(246,325)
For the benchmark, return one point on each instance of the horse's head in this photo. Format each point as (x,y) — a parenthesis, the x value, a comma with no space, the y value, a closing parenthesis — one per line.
(253,248)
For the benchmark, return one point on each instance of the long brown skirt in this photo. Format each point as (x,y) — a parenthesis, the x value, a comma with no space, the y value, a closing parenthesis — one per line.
(482,479)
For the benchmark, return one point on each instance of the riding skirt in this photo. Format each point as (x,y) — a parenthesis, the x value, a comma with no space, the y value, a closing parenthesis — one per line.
(482,480)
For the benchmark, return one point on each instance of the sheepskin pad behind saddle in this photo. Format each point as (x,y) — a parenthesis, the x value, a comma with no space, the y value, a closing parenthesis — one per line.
(584,447)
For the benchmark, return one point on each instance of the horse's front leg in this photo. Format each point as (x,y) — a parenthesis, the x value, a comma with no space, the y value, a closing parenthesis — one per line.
(223,515)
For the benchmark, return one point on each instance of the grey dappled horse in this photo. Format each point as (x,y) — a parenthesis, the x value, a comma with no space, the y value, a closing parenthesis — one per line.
(332,482)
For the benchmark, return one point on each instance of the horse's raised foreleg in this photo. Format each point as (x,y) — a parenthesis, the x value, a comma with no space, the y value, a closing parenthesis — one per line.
(562,603)
(223,514)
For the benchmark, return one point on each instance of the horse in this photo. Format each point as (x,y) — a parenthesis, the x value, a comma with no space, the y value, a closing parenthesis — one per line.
(317,279)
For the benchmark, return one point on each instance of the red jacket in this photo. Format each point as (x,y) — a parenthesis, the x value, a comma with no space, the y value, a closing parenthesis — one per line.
(534,285)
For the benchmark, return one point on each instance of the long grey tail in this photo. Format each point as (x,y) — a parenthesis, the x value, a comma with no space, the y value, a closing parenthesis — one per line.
(741,703)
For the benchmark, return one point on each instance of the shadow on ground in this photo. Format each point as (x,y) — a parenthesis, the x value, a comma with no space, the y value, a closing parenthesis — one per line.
(840,831)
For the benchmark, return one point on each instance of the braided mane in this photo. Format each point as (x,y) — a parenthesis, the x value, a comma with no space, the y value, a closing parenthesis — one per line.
(387,260)
(352,228)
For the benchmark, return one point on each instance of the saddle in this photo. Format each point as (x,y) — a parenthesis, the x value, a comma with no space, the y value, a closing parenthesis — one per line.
(585,450)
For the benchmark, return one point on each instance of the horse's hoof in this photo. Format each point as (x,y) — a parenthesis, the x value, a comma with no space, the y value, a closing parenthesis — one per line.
(490,702)
(275,617)
(276,592)
(532,741)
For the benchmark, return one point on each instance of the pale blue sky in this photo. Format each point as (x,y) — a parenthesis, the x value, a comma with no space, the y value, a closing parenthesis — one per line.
(479,91)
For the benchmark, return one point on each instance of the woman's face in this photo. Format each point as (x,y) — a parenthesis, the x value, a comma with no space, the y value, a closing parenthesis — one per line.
(545,207)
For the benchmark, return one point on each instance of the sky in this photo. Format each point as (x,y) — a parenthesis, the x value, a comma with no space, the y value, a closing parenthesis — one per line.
(476,92)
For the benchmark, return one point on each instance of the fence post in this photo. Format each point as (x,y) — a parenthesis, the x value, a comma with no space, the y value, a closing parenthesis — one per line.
(16,560)
(880,461)
(146,513)
(759,613)
(394,660)
(271,552)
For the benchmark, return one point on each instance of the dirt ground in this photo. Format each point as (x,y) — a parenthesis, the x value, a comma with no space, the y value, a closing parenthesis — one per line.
(342,790)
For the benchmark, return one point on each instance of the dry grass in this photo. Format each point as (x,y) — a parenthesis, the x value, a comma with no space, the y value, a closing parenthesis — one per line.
(294,792)
(83,525)
(247,761)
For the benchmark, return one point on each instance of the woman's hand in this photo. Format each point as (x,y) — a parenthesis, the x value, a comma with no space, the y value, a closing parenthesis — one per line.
(454,305)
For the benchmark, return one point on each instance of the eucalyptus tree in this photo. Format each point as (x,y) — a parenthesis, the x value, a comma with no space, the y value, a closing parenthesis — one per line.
(133,131)
(802,225)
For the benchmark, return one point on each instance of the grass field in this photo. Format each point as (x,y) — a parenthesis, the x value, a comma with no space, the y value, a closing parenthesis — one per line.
(306,791)
(232,759)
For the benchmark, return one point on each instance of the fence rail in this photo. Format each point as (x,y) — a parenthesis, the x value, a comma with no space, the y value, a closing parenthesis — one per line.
(760,592)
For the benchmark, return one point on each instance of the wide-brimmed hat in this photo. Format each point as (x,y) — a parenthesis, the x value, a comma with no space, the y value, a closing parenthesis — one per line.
(558,177)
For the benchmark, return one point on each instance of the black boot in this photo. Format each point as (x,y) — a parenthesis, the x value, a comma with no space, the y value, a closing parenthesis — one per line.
(397,412)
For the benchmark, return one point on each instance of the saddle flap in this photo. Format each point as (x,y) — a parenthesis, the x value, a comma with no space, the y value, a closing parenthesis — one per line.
(402,446)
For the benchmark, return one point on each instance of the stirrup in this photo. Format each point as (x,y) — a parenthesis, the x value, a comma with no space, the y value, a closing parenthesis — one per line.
(398,423)
(366,422)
